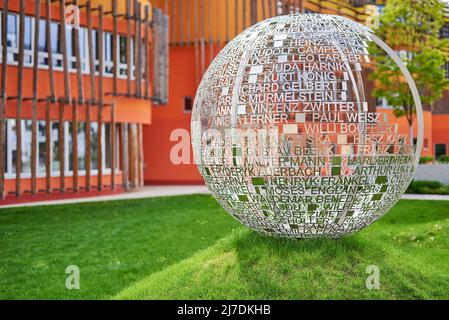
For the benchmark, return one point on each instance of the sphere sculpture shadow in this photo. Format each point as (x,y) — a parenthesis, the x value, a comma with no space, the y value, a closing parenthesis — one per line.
(285,133)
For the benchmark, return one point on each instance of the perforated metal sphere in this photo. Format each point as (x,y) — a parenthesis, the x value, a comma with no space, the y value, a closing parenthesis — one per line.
(285,133)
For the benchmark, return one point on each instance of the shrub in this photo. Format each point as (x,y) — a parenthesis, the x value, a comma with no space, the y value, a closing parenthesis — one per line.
(443,159)
(427,187)
(426,159)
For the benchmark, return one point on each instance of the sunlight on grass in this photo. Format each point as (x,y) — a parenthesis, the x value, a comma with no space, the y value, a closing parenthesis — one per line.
(188,247)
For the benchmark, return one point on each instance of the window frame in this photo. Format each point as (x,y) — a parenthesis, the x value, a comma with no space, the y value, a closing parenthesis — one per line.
(10,175)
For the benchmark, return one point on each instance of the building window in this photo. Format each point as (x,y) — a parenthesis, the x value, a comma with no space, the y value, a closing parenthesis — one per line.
(42,44)
(188,104)
(94,146)
(11,148)
(28,46)
(382,103)
(122,56)
(41,146)
(446,69)
(55,162)
(12,38)
(444,31)
(440,150)
(108,53)
(25,128)
(81,149)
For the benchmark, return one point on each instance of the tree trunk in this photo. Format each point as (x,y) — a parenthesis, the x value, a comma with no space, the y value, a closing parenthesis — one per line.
(410,125)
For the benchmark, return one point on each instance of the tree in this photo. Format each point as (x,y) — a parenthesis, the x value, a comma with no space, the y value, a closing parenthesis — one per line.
(411,27)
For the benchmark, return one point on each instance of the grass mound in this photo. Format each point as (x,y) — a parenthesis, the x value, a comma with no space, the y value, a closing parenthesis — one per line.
(410,246)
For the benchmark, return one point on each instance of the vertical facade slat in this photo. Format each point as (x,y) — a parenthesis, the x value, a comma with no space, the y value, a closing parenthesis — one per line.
(137,50)
(114,46)
(128,47)
(20,98)
(88,147)
(181,22)
(3,99)
(48,39)
(203,60)
(211,33)
(48,145)
(147,51)
(75,144)
(61,148)
(173,21)
(90,40)
(79,74)
(139,156)
(100,97)
(113,145)
(227,19)
(236,18)
(37,13)
(141,153)
(124,149)
(197,53)
(63,43)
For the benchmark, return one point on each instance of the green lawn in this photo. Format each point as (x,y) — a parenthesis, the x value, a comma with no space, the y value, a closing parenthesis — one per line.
(113,243)
(187,247)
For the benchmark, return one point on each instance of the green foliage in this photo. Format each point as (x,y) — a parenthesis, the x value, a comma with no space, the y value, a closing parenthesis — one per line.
(443,159)
(427,187)
(426,159)
(411,27)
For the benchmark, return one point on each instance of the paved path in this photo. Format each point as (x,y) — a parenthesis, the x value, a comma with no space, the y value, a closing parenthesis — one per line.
(425,197)
(161,191)
(145,192)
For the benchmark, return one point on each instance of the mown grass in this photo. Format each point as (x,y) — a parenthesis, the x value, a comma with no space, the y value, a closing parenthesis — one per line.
(171,248)
(114,243)
(410,246)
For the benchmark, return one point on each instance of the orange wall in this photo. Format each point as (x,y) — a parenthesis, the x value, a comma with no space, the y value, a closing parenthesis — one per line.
(440,131)
(157,144)
(128,109)
(403,128)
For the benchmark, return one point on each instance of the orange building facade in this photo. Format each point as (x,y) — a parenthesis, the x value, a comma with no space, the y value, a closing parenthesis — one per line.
(198,30)
(81,96)
(113,114)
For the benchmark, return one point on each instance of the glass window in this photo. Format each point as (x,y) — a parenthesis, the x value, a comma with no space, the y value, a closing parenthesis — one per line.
(26,145)
(94,145)
(188,104)
(107,145)
(55,44)
(81,149)
(444,31)
(122,49)
(108,51)
(83,49)
(440,150)
(446,69)
(55,147)
(12,36)
(96,50)
(41,145)
(42,44)
(7,146)
(28,34)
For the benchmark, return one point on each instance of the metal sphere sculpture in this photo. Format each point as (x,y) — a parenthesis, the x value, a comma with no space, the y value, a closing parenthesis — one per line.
(285,136)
